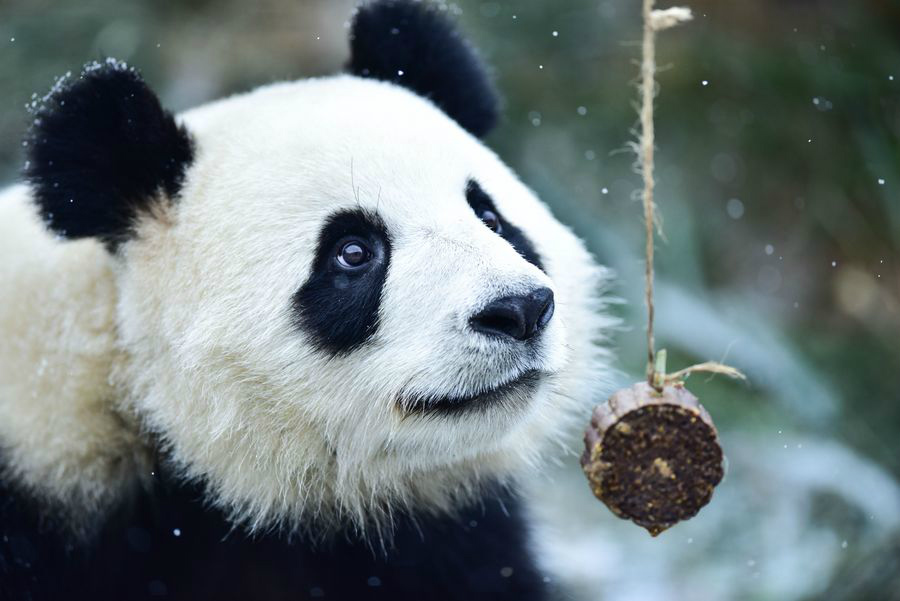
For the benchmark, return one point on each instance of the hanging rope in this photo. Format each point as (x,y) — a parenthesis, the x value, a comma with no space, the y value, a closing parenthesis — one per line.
(658,20)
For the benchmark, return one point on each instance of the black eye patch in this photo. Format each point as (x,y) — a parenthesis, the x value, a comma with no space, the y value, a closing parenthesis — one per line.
(480,202)
(336,306)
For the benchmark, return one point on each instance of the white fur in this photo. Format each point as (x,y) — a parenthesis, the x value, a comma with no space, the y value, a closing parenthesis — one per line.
(213,365)
(60,432)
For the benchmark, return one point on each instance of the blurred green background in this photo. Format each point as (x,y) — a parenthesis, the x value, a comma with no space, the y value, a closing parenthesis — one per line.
(778,126)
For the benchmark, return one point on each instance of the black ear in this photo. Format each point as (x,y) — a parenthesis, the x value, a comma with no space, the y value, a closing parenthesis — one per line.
(411,44)
(101,150)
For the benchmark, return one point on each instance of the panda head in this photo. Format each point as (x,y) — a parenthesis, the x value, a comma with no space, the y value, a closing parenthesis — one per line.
(334,300)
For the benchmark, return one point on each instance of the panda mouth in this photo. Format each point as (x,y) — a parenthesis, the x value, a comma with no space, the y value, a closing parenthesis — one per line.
(511,394)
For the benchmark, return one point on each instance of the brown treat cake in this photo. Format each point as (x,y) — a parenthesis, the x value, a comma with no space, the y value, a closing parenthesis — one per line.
(653,458)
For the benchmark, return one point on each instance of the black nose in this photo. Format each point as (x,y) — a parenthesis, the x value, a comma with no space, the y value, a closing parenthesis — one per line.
(519,317)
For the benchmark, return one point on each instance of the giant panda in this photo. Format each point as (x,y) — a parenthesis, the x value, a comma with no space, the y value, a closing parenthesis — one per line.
(308,341)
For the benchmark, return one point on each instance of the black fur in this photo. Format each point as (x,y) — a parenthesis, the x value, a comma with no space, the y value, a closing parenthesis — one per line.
(479,201)
(338,308)
(393,36)
(479,555)
(100,150)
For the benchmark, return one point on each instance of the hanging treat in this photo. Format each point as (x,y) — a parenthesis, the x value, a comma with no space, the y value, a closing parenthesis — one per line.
(651,452)
(652,457)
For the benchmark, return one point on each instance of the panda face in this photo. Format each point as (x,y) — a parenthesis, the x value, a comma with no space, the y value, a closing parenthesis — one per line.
(349,304)
(350,275)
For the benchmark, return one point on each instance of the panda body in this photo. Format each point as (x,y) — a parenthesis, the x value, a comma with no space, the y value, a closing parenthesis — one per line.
(165,544)
(268,348)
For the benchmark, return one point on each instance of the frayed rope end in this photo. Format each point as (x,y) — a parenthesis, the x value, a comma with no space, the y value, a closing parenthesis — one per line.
(669,17)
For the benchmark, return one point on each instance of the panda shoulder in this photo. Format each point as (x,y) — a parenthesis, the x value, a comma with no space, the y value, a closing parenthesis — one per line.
(57,315)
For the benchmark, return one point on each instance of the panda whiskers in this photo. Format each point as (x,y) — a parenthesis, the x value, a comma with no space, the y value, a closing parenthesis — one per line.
(353,186)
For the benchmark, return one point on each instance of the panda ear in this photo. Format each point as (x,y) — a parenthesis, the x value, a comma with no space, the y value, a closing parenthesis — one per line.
(101,150)
(411,44)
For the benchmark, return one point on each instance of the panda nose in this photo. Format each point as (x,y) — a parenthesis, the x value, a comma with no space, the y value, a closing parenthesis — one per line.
(518,317)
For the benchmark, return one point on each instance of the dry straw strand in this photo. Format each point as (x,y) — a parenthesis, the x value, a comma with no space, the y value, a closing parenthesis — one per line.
(657,20)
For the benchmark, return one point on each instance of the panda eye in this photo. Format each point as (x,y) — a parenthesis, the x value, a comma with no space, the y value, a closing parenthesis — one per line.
(491,219)
(353,254)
